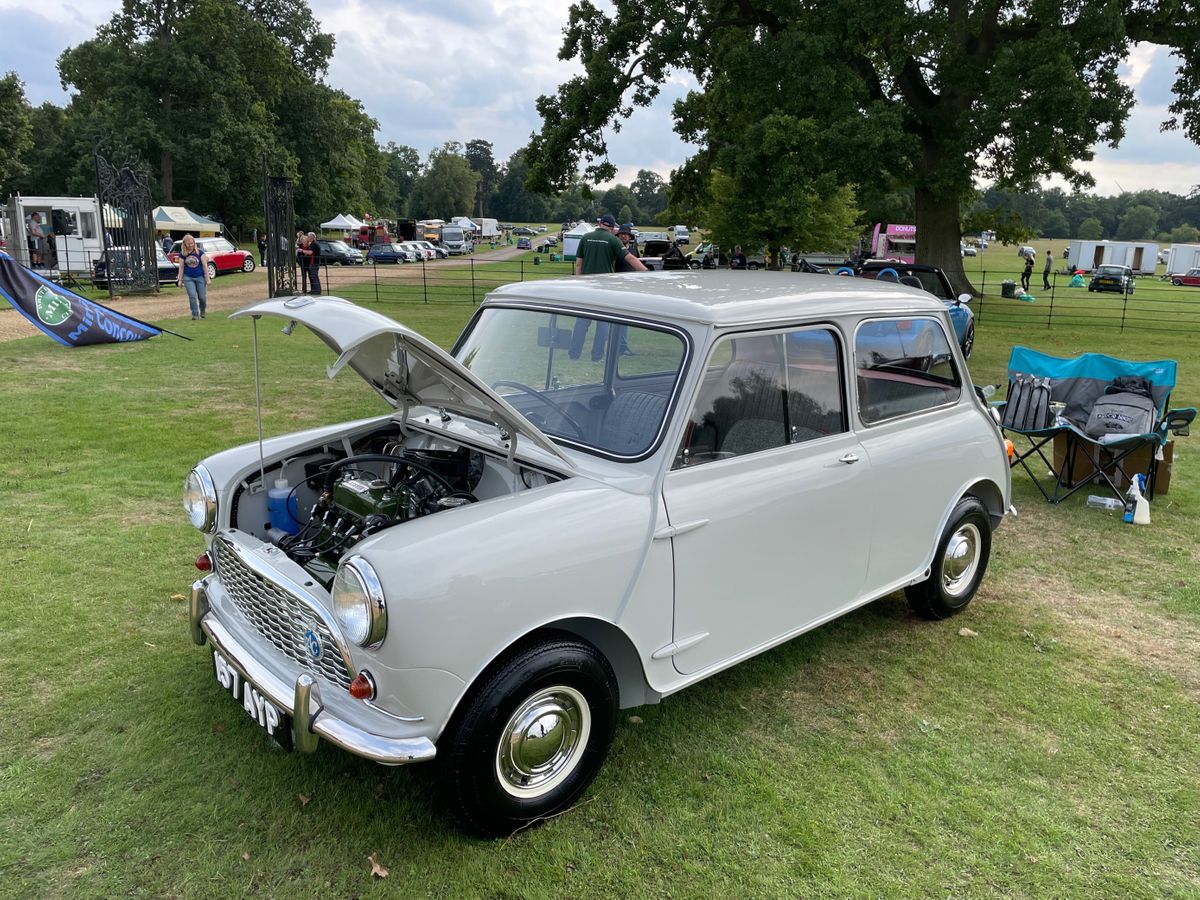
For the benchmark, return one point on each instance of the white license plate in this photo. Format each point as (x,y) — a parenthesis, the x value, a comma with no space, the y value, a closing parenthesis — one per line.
(265,714)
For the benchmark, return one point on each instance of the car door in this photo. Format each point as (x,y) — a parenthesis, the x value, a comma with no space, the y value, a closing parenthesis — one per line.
(768,498)
(913,425)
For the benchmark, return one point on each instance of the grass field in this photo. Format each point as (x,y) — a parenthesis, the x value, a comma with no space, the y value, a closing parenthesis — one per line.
(1050,751)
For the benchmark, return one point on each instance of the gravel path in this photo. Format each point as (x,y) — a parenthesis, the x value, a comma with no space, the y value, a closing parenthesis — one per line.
(229,293)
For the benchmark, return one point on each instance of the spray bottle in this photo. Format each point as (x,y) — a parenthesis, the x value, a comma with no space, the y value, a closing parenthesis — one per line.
(1141,506)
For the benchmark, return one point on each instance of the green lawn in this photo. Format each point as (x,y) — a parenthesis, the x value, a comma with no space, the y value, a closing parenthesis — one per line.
(1050,753)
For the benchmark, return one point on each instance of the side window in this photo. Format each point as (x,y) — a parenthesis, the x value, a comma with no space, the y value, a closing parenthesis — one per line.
(765,391)
(904,366)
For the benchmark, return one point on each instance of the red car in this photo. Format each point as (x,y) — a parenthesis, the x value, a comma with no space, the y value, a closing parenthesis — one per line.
(1191,278)
(222,256)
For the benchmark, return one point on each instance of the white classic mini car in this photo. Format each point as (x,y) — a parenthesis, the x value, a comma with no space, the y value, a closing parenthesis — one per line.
(613,487)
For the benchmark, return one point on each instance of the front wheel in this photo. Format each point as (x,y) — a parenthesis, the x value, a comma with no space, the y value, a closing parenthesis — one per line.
(247,264)
(212,271)
(753,267)
(958,564)
(968,341)
(530,737)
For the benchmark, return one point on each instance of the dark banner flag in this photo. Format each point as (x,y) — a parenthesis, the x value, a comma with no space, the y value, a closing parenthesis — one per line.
(68,318)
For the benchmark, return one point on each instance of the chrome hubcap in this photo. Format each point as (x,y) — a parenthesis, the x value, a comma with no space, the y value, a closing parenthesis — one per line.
(543,742)
(960,560)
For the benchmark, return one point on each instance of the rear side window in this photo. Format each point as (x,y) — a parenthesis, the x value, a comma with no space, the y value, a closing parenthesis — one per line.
(765,391)
(904,366)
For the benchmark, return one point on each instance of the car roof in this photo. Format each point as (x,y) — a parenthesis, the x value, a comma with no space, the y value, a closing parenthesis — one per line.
(722,298)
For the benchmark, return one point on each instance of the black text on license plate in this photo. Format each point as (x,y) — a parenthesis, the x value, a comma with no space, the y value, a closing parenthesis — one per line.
(266,714)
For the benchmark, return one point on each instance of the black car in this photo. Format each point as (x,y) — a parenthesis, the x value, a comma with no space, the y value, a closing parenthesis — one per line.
(167,270)
(521,229)
(339,253)
(1117,279)
(389,253)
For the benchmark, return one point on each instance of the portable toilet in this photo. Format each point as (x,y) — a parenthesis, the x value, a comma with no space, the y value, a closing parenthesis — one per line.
(1181,257)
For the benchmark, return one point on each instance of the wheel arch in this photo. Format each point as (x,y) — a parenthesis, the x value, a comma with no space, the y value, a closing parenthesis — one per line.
(991,496)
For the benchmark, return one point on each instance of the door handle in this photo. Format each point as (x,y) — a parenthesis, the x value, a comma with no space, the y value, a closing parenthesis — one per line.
(849,459)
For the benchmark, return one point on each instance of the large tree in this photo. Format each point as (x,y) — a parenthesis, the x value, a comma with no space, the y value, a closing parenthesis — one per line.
(16,133)
(931,95)
(479,157)
(447,186)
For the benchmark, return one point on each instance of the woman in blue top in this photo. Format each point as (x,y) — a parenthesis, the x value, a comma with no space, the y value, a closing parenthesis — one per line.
(193,274)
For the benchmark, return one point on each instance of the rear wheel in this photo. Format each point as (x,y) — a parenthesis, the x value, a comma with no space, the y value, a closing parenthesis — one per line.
(530,737)
(753,266)
(1178,282)
(212,271)
(958,564)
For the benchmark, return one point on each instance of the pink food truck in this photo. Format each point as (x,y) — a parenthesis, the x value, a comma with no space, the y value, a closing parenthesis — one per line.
(897,242)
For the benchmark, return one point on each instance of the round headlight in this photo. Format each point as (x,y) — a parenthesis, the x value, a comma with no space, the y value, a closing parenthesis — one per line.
(200,499)
(358,603)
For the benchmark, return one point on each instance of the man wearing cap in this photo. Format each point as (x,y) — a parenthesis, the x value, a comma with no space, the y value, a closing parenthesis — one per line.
(599,251)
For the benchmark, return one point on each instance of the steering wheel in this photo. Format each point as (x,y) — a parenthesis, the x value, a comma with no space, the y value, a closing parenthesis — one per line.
(533,392)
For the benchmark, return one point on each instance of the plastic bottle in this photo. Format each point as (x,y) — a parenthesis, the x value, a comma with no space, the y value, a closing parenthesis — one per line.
(1141,506)
(1104,502)
(282,507)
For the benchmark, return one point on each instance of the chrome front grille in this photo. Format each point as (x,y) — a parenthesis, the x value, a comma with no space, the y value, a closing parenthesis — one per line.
(278,615)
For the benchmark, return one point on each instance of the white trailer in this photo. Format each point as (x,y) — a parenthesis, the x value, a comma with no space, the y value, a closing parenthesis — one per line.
(1141,256)
(74,234)
(1181,257)
(488,228)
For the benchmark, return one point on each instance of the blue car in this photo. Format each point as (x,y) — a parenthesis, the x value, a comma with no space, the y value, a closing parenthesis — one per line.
(389,253)
(933,280)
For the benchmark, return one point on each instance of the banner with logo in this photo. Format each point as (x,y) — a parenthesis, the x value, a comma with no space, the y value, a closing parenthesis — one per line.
(71,320)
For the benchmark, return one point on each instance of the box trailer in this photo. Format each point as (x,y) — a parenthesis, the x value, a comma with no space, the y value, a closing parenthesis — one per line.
(1181,257)
(1141,256)
(488,229)
(73,233)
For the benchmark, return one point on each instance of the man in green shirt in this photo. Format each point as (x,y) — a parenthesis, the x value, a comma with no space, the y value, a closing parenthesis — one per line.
(599,250)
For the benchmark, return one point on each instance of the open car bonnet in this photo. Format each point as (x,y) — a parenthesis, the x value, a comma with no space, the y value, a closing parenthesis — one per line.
(405,368)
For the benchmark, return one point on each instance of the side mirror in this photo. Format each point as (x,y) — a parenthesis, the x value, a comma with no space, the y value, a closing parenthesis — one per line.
(964,298)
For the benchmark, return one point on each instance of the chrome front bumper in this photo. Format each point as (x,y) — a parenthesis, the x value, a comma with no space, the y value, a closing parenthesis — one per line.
(311,720)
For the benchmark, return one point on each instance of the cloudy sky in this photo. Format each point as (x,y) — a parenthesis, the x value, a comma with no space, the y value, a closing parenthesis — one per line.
(431,72)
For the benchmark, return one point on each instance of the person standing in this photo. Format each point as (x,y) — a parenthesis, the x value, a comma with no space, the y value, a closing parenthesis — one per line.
(1046,270)
(37,241)
(598,253)
(314,264)
(167,243)
(738,260)
(302,257)
(1028,273)
(193,275)
(262,249)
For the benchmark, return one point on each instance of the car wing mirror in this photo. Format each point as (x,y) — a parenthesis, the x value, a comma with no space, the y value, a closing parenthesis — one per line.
(964,298)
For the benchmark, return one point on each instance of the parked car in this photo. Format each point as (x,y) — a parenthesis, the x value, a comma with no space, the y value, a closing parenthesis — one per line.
(524,243)
(390,253)
(521,229)
(969,250)
(418,249)
(223,257)
(1191,278)
(438,251)
(551,241)
(681,234)
(339,253)
(544,529)
(167,270)
(661,253)
(933,280)
(1115,279)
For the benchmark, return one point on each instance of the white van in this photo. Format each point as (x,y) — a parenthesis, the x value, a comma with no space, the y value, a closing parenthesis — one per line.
(681,234)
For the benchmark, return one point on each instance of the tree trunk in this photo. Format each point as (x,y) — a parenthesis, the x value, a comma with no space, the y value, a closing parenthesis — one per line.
(939,234)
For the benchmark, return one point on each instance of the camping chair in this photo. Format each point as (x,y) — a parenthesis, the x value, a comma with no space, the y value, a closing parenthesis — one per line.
(1078,383)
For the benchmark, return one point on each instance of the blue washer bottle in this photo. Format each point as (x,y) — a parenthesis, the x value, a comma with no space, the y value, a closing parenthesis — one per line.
(282,507)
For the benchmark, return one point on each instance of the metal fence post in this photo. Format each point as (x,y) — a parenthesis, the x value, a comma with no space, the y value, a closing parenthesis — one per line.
(982,292)
(472,281)
(375,279)
(424,281)
(1124,306)
(1050,314)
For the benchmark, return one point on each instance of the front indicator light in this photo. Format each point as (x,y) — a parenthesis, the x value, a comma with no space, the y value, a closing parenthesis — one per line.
(362,687)
(204,562)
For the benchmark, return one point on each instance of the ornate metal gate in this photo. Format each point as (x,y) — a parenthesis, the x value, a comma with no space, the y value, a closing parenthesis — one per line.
(280,221)
(130,260)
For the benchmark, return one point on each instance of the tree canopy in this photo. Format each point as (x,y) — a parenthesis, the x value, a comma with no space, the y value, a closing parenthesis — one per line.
(872,93)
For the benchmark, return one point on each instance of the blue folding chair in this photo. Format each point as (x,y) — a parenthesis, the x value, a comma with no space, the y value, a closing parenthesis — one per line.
(1078,383)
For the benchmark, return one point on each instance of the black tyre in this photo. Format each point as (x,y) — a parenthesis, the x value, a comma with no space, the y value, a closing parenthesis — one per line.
(753,266)
(1178,282)
(530,737)
(247,264)
(958,565)
(968,341)
(212,271)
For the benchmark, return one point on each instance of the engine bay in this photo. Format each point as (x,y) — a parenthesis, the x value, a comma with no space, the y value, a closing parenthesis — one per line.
(329,497)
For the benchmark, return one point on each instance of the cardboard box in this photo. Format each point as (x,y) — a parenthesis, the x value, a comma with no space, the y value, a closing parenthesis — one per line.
(1138,462)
